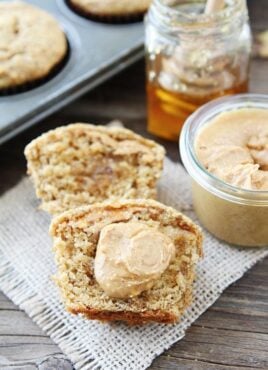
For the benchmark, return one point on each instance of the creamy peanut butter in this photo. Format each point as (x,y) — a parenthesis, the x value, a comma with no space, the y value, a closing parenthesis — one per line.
(130,257)
(234,147)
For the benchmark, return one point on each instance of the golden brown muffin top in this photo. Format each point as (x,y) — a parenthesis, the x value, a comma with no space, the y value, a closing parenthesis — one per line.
(31,43)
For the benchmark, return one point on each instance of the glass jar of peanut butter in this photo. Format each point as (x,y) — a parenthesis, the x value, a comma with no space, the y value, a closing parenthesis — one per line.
(224,147)
(192,58)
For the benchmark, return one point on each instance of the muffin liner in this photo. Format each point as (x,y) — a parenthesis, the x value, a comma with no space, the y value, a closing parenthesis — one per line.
(27,86)
(106,18)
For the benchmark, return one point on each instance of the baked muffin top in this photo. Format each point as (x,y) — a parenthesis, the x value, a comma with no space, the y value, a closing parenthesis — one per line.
(112,7)
(31,43)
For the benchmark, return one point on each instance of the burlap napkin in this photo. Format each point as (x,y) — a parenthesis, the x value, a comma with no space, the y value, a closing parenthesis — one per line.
(26,264)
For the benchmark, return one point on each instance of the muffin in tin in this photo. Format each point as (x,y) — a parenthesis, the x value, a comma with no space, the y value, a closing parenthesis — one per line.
(32,46)
(111,11)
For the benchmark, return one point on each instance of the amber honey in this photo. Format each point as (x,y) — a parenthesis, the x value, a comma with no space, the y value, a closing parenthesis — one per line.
(167,111)
(192,58)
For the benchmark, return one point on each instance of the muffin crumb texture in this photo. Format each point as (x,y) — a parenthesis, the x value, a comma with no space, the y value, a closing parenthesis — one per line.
(83,164)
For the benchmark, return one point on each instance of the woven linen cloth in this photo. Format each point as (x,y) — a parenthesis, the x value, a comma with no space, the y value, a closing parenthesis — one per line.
(26,266)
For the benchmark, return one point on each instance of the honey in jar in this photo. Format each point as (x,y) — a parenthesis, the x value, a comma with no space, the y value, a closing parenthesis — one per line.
(193,58)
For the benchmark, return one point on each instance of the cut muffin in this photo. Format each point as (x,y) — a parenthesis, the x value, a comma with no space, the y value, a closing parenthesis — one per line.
(76,236)
(84,164)
(32,44)
(111,10)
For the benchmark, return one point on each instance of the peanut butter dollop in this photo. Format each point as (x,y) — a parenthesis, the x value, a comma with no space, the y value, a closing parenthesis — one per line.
(234,147)
(130,257)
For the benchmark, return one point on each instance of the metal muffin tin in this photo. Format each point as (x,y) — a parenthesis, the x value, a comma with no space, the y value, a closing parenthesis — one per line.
(97,51)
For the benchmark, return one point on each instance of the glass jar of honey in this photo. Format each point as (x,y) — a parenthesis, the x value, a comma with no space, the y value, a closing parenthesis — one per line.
(193,57)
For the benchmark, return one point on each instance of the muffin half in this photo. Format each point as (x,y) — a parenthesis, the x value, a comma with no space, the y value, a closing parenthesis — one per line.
(84,164)
(161,293)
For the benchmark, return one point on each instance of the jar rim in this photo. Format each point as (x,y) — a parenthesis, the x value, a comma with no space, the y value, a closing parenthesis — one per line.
(181,18)
(197,171)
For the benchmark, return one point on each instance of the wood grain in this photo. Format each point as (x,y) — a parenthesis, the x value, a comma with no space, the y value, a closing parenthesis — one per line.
(232,334)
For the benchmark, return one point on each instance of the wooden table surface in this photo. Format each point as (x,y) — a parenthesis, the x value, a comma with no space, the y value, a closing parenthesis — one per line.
(232,334)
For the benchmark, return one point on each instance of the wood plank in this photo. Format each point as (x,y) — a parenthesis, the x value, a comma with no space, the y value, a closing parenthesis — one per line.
(168,362)
(14,321)
(22,349)
(231,348)
(6,304)
(52,361)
